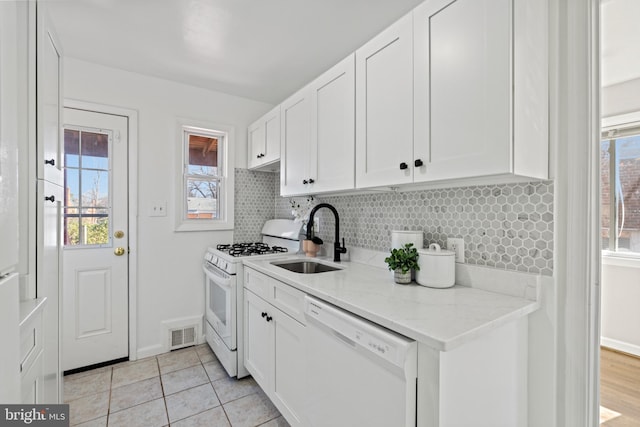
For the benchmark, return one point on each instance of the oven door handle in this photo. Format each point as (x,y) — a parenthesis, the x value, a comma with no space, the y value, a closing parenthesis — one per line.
(218,280)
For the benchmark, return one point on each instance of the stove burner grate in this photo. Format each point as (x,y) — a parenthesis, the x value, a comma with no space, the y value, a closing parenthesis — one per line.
(250,249)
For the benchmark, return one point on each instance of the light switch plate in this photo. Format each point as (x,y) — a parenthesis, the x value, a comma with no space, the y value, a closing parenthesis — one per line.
(158,208)
(456,245)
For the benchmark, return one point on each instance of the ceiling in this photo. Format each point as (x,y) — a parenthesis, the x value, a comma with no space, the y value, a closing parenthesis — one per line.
(620,41)
(258,49)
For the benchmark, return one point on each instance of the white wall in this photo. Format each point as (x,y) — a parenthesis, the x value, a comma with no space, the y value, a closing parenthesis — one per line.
(620,316)
(621,98)
(170,283)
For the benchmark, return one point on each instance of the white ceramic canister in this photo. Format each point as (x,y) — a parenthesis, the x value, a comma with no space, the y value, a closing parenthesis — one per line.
(437,267)
(401,237)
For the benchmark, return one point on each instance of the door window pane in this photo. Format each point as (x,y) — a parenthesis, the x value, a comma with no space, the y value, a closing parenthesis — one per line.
(87,198)
(95,188)
(71,148)
(95,150)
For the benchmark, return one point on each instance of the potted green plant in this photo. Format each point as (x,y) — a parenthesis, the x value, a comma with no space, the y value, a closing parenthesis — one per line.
(402,261)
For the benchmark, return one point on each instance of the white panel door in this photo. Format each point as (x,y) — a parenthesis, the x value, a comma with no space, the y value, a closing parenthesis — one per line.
(463,88)
(95,256)
(384,102)
(295,131)
(332,152)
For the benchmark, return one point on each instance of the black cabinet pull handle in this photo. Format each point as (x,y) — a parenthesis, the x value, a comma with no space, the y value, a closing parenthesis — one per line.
(51,162)
(305,182)
(264,314)
(258,156)
(418,163)
(50,199)
(269,318)
(403,166)
(311,180)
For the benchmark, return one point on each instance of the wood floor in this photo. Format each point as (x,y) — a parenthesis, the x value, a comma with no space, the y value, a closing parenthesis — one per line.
(619,389)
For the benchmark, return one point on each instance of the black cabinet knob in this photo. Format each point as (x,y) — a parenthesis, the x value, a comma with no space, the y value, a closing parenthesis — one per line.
(51,162)
(403,166)
(418,163)
(50,199)
(311,180)
(305,182)
(264,314)
(269,318)
(258,156)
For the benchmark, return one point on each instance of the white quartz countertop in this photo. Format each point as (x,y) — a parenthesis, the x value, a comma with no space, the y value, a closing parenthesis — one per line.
(440,318)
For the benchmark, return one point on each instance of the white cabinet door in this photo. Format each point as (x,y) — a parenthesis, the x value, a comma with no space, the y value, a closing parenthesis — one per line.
(271,136)
(10,333)
(49,96)
(264,140)
(332,153)
(9,127)
(49,232)
(258,340)
(255,137)
(384,105)
(295,130)
(481,89)
(289,367)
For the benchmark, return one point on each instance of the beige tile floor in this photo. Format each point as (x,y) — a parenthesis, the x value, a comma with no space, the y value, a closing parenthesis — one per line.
(184,388)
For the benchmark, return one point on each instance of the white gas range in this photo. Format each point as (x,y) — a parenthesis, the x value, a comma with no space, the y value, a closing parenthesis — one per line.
(224,289)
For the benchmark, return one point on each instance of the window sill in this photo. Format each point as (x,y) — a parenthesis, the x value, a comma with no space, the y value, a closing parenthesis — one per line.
(620,260)
(204,226)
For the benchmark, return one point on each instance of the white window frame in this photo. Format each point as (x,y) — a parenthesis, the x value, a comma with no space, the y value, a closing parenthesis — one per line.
(620,122)
(226,135)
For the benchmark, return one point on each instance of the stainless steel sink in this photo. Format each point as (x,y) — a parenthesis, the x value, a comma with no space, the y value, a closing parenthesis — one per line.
(305,267)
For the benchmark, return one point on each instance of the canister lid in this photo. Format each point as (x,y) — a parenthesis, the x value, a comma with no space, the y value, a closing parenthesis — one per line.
(435,250)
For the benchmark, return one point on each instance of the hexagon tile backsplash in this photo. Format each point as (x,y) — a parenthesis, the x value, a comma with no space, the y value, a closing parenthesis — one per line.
(506,226)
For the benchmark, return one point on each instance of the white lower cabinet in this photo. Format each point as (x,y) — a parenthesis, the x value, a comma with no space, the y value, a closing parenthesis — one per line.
(274,346)
(32,369)
(480,383)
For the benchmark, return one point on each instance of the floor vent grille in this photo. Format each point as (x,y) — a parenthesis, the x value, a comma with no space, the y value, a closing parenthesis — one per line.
(182,337)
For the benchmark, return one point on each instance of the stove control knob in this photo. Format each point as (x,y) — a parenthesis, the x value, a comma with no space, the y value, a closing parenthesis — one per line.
(224,265)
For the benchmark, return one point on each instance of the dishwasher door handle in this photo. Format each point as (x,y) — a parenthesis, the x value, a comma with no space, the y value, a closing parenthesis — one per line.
(343,338)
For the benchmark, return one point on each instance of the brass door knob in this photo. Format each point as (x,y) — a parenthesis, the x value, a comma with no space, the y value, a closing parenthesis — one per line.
(118,234)
(119,251)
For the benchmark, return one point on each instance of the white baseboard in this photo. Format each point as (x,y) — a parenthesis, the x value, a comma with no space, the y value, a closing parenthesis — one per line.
(152,350)
(620,346)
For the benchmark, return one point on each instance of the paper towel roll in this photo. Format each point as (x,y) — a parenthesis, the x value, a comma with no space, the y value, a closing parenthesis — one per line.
(399,238)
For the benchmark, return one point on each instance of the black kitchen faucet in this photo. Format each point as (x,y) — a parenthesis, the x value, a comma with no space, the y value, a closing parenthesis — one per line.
(337,249)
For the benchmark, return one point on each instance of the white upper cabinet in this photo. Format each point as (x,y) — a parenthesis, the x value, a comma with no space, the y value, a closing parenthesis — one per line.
(318,137)
(295,127)
(264,141)
(384,107)
(480,89)
(332,154)
(49,101)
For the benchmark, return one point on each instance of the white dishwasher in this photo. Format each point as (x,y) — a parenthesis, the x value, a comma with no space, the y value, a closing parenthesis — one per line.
(358,373)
